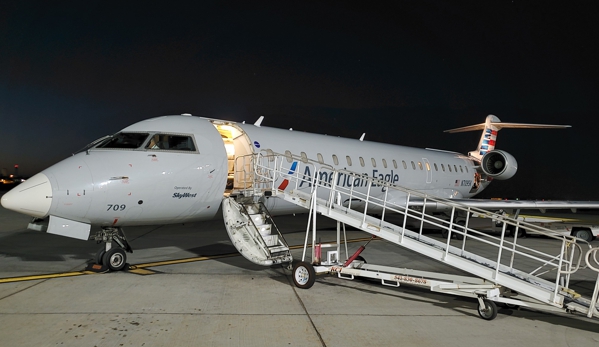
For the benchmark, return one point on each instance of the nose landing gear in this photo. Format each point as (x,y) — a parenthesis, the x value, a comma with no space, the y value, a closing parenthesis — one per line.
(112,257)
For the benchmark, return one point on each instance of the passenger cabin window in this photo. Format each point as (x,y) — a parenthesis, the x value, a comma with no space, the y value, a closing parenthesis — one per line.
(420,165)
(443,167)
(428,166)
(449,167)
(171,142)
(461,170)
(335,160)
(413,166)
(436,168)
(384,163)
(320,158)
(304,157)
(124,140)
(362,161)
(456,168)
(373,162)
(288,156)
(466,167)
(270,154)
(348,160)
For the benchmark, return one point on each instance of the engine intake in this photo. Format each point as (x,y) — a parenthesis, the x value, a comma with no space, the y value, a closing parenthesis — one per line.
(499,164)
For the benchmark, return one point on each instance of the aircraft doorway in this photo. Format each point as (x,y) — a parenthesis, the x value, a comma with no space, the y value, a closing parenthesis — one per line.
(238,147)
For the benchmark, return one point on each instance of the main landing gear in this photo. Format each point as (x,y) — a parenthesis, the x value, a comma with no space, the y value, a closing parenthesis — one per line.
(112,255)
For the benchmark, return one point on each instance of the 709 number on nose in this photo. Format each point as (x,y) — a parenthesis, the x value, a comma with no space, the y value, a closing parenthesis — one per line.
(116,207)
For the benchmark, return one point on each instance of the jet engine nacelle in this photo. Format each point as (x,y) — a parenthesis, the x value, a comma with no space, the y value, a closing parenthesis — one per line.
(499,164)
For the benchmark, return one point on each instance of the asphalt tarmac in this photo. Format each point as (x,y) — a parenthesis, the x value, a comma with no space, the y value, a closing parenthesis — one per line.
(191,288)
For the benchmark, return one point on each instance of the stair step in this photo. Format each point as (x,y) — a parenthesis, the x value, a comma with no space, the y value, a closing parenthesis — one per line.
(278,249)
(258,218)
(271,240)
(252,209)
(246,235)
(264,229)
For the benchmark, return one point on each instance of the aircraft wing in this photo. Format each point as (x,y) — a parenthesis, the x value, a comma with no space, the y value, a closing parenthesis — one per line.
(399,198)
(542,205)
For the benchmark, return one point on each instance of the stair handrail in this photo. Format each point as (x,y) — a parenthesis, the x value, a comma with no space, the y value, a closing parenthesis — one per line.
(319,170)
(594,252)
(272,222)
(258,240)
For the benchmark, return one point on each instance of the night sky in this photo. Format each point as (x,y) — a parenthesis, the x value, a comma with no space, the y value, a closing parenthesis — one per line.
(402,73)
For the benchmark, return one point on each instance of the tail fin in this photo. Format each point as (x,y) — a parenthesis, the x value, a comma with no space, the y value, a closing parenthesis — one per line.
(490,128)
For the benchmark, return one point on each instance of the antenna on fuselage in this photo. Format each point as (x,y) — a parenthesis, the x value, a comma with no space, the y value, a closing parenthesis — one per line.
(362,137)
(259,121)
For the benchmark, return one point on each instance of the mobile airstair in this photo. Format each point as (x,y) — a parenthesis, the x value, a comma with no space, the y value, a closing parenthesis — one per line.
(253,232)
(504,271)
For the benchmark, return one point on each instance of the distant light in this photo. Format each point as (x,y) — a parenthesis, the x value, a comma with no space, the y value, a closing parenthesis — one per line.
(16,166)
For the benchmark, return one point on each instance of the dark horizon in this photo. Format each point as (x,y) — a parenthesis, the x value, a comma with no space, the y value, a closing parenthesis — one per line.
(401,73)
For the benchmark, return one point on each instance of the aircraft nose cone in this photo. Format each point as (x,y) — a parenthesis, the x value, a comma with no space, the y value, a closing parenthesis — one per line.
(32,197)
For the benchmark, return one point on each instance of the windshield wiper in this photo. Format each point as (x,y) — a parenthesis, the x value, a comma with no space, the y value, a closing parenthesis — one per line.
(86,148)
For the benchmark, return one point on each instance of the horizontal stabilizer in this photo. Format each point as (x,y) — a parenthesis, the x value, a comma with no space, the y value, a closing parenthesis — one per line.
(500,125)
(490,127)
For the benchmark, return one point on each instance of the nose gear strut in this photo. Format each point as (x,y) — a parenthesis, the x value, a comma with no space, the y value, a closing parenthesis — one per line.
(111,257)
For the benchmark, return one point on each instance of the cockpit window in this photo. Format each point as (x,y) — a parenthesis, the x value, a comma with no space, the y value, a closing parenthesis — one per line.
(171,142)
(124,140)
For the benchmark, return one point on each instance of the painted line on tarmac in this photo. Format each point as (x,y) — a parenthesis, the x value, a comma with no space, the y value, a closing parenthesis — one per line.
(45,277)
(140,269)
(185,260)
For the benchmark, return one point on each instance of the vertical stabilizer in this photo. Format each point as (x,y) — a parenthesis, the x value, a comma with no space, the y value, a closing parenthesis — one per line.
(488,137)
(490,127)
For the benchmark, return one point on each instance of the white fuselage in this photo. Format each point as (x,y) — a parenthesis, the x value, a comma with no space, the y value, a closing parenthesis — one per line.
(108,186)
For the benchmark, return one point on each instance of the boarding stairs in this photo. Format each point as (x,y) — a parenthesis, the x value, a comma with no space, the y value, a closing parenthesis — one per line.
(253,232)
(512,273)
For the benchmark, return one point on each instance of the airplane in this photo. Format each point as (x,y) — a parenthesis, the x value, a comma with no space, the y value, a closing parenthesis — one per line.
(178,169)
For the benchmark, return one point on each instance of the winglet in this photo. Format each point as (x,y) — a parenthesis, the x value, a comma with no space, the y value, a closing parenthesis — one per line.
(259,121)
(362,137)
